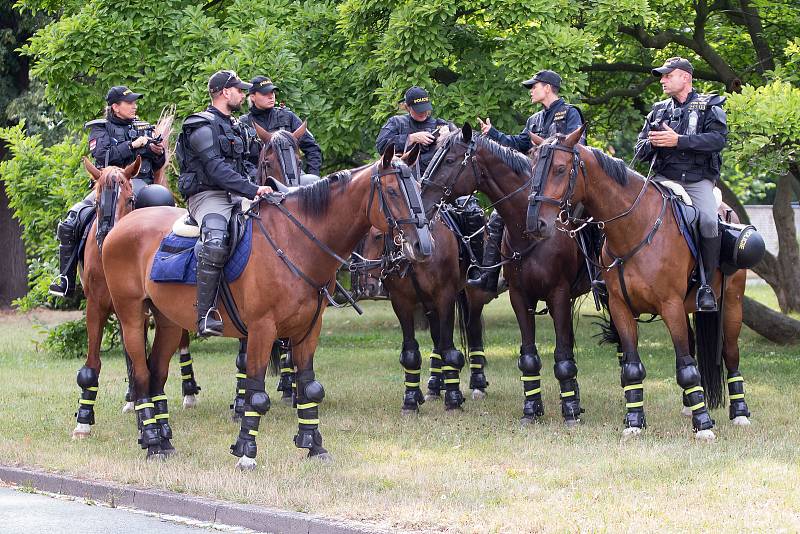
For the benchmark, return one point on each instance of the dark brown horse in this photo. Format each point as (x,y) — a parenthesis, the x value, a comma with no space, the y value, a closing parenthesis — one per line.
(98,300)
(551,270)
(648,265)
(297,247)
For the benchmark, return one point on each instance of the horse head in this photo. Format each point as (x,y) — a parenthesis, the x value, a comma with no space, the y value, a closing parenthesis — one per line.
(556,162)
(279,157)
(395,207)
(113,194)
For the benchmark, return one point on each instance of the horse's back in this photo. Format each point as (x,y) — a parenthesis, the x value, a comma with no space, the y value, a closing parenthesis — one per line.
(138,235)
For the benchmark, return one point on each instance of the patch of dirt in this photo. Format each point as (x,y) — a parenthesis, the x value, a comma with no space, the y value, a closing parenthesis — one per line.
(10,316)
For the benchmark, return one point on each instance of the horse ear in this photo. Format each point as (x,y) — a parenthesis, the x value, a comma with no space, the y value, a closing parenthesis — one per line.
(466,131)
(535,139)
(264,135)
(133,169)
(573,138)
(93,171)
(300,131)
(410,157)
(388,155)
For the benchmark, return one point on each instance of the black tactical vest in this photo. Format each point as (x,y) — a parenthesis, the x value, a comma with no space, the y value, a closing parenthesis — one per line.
(120,133)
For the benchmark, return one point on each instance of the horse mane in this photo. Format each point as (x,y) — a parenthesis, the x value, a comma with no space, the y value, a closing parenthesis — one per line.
(283,134)
(516,161)
(614,167)
(315,198)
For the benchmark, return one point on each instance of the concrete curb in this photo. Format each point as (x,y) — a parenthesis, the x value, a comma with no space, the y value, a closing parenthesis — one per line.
(167,502)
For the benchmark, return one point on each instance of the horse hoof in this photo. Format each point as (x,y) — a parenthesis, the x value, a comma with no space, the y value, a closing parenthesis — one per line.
(82,430)
(432,396)
(287,401)
(128,408)
(572,423)
(478,394)
(324,457)
(246,464)
(189,401)
(740,420)
(686,412)
(631,432)
(409,411)
(527,420)
(705,435)
(159,456)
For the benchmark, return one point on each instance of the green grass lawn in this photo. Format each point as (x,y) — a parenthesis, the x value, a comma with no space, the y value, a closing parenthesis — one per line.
(475,471)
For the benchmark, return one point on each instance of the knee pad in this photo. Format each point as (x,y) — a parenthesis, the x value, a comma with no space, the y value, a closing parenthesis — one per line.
(87,377)
(410,359)
(565,369)
(314,391)
(453,358)
(259,400)
(688,376)
(632,373)
(67,231)
(530,364)
(214,251)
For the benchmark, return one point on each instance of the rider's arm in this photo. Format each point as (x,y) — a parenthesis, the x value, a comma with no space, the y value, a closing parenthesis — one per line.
(310,148)
(714,136)
(521,142)
(216,168)
(390,133)
(574,121)
(102,146)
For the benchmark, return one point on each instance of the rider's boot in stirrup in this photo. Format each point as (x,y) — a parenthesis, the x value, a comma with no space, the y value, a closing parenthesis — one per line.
(709,250)
(64,284)
(210,260)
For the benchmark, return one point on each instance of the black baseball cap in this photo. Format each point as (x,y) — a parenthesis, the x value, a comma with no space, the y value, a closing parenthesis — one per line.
(263,85)
(223,79)
(120,93)
(544,76)
(418,99)
(672,64)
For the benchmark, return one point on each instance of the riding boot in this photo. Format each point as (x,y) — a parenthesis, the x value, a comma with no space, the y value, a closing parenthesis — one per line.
(487,280)
(709,250)
(64,284)
(210,260)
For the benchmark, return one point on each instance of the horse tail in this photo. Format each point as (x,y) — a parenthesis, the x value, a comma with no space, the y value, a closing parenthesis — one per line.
(275,358)
(462,318)
(608,332)
(708,326)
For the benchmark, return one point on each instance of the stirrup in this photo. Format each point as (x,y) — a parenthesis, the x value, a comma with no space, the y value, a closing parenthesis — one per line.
(471,269)
(58,292)
(703,290)
(206,330)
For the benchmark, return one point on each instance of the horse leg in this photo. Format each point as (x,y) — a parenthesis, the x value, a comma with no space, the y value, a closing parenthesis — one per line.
(529,363)
(130,394)
(286,383)
(685,411)
(256,400)
(89,375)
(732,326)
(410,357)
(167,338)
(237,408)
(632,372)
(452,358)
(472,307)
(309,396)
(565,368)
(188,381)
(686,371)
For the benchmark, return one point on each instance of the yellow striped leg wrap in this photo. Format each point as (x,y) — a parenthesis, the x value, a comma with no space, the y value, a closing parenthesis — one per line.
(241,375)
(307,405)
(91,388)
(186,377)
(435,356)
(187,362)
(286,370)
(692,390)
(697,406)
(307,421)
(149,422)
(159,398)
(530,378)
(736,396)
(144,405)
(476,353)
(730,380)
(162,416)
(533,392)
(412,384)
(452,381)
(565,394)
(412,371)
(86,401)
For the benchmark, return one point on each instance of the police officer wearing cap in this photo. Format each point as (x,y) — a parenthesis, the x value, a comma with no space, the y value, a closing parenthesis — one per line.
(267,115)
(556,117)
(416,126)
(115,140)
(682,138)
(213,177)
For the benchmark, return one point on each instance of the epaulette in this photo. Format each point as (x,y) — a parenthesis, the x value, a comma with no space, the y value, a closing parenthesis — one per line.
(96,122)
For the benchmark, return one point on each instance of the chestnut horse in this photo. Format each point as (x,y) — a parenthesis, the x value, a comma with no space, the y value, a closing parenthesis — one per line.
(98,300)
(296,249)
(552,270)
(647,267)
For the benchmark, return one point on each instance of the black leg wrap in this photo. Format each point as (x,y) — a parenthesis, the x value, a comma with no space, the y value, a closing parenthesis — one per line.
(241,376)
(452,363)
(88,380)
(309,395)
(688,377)
(411,360)
(436,381)
(738,406)
(162,419)
(530,363)
(632,374)
(188,383)
(286,370)
(477,362)
(566,371)
(256,404)
(148,424)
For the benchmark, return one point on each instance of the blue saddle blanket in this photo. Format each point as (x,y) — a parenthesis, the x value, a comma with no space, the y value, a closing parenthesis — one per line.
(176,261)
(685,217)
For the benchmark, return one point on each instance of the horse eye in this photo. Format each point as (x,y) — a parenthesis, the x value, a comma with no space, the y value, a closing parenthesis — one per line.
(561,169)
(392,192)
(450,161)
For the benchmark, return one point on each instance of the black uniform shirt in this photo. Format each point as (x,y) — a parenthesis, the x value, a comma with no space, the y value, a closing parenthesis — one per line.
(111,141)
(560,117)
(398,128)
(282,118)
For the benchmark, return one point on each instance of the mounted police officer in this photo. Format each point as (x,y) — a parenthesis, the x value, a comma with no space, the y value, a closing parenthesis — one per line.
(213,179)
(556,117)
(416,126)
(115,140)
(267,115)
(682,137)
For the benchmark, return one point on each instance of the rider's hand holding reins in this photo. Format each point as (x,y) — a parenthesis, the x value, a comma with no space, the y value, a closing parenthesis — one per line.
(666,137)
(485,126)
(423,138)
(263,191)
(156,148)
(140,141)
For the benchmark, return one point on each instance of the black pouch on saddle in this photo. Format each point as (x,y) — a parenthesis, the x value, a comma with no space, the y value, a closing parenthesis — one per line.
(742,247)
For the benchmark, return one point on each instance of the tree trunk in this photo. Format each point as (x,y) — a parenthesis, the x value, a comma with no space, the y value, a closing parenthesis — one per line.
(14,278)
(774,326)
(788,291)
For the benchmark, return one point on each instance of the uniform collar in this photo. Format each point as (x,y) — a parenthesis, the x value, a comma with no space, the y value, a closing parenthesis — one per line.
(556,104)
(691,96)
(218,113)
(258,112)
(122,122)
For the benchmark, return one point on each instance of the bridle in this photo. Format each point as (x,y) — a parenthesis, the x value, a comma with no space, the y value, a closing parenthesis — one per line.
(287,159)
(106,209)
(541,171)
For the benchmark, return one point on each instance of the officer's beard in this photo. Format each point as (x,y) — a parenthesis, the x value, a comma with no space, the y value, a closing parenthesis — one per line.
(234,106)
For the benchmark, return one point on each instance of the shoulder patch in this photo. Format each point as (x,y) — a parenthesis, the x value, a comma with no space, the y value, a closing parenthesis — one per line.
(96,122)
(560,115)
(92,144)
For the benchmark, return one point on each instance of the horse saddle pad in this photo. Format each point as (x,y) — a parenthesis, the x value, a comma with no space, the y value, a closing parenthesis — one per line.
(685,213)
(176,262)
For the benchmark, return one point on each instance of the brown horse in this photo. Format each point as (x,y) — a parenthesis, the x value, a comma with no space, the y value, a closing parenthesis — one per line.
(98,300)
(552,270)
(282,292)
(647,268)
